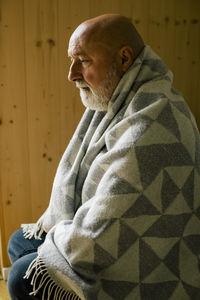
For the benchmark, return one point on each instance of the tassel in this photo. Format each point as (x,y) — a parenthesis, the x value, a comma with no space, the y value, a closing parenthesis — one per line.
(32,230)
(38,267)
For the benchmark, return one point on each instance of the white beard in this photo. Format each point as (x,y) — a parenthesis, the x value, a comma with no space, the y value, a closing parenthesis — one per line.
(99,99)
(92,100)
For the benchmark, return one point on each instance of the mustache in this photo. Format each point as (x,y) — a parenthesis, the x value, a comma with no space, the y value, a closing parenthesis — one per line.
(81,84)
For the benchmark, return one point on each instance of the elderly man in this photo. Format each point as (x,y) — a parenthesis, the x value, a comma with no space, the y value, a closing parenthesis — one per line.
(124,216)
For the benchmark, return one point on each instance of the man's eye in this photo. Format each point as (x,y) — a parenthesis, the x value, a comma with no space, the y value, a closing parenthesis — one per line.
(83,61)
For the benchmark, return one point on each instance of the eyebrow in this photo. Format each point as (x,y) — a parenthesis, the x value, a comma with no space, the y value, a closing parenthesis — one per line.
(78,53)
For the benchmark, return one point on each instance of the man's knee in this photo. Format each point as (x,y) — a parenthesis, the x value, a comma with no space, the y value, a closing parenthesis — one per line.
(18,287)
(19,246)
(15,245)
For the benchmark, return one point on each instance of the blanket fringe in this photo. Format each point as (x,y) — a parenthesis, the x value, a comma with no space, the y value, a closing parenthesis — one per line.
(32,230)
(38,267)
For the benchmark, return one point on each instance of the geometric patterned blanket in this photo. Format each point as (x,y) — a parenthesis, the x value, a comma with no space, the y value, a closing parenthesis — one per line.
(124,216)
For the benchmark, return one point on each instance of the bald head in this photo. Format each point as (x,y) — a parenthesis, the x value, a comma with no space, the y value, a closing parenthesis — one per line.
(112,31)
(101,51)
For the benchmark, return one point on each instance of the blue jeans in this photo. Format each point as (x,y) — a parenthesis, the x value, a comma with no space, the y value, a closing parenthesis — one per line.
(22,252)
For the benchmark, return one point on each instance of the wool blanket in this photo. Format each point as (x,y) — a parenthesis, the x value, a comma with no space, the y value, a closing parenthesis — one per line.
(124,215)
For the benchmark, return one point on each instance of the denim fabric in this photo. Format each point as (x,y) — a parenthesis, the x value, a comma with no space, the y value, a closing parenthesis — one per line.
(21,252)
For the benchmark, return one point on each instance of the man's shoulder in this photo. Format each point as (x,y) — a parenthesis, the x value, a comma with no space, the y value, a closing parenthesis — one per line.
(152,118)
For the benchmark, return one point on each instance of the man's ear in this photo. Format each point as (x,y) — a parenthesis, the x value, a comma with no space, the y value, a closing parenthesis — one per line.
(126,56)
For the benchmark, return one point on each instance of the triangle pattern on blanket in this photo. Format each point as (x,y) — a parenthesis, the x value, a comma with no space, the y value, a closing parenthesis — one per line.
(117,289)
(142,206)
(168,226)
(102,259)
(191,291)
(169,191)
(180,293)
(153,227)
(125,259)
(149,260)
(192,227)
(197,189)
(161,246)
(141,223)
(108,244)
(189,268)
(172,196)
(178,206)
(171,260)
(128,173)
(156,158)
(160,274)
(181,106)
(197,144)
(120,186)
(134,293)
(187,135)
(127,237)
(184,171)
(161,290)
(153,191)
(158,269)
(167,119)
(155,134)
(144,100)
(193,243)
(187,190)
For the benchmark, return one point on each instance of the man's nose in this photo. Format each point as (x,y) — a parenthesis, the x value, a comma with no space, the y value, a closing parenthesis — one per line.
(74,72)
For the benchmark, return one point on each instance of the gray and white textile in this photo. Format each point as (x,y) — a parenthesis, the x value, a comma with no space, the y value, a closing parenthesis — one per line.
(124,216)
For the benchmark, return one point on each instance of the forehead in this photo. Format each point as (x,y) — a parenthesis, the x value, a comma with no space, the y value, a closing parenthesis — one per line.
(78,42)
(76,48)
(84,42)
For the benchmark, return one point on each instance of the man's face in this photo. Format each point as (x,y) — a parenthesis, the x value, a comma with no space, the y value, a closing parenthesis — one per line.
(94,70)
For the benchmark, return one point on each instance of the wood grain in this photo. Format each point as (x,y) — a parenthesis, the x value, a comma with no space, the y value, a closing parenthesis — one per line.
(15,172)
(3,290)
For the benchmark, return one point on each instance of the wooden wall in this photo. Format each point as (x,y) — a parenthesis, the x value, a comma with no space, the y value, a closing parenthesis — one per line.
(39,109)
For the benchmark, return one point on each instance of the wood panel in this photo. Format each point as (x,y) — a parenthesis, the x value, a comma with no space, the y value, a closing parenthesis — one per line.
(40,109)
(15,172)
(43,101)
(3,290)
(70,14)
